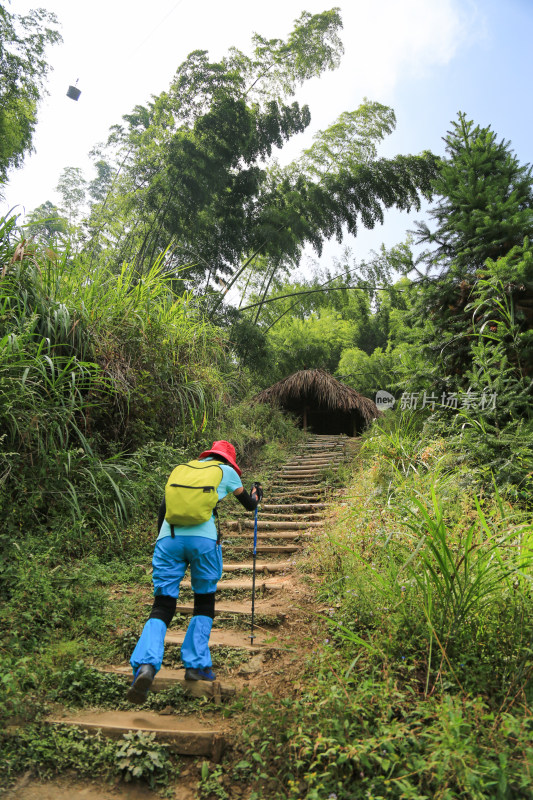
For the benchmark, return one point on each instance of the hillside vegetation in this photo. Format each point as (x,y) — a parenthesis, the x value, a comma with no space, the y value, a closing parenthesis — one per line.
(140,317)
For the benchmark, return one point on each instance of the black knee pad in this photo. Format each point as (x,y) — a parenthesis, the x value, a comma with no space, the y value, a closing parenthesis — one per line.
(164,608)
(204,604)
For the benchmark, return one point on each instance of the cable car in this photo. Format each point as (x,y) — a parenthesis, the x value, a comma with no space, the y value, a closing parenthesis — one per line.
(73,92)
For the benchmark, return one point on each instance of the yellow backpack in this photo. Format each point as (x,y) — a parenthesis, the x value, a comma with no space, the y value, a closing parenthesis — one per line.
(191,493)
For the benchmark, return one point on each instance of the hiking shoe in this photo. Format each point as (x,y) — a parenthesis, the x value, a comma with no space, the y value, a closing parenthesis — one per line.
(200,674)
(138,691)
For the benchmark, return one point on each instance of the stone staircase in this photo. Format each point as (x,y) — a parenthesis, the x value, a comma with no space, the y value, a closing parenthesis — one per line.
(291,515)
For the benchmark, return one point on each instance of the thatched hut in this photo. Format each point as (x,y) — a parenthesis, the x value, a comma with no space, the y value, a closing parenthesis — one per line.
(324,404)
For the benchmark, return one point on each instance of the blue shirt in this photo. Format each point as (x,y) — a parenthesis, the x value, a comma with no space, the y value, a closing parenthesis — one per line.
(230,481)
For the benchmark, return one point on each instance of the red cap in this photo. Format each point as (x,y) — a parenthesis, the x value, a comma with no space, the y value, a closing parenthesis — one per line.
(224,449)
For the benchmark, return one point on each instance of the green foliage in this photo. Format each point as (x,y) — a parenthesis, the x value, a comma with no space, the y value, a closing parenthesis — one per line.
(80,685)
(45,224)
(190,167)
(421,688)
(258,432)
(140,757)
(90,367)
(486,202)
(101,184)
(23,66)
(316,342)
(72,188)
(351,738)
(49,750)
(351,141)
(459,571)
(494,421)
(210,785)
(315,322)
(449,573)
(481,267)
(19,681)
(369,373)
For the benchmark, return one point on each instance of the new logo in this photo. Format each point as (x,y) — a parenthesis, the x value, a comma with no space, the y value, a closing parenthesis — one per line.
(384,400)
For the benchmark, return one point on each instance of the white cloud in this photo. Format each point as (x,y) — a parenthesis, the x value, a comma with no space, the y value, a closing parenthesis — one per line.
(389,42)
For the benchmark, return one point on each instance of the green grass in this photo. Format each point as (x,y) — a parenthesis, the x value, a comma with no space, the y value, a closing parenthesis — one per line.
(352,736)
(420,684)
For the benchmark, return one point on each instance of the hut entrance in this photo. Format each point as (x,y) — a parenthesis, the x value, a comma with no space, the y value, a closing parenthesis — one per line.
(323,404)
(331,422)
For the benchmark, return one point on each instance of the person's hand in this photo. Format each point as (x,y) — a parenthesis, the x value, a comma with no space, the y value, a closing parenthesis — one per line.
(256,492)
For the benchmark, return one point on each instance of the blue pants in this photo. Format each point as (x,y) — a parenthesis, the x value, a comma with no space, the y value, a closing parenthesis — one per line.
(171,558)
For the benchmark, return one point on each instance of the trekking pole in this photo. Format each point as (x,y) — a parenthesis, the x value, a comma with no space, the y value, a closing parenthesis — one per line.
(253,577)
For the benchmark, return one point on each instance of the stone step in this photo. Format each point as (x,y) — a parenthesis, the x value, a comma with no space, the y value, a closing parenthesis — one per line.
(315,469)
(312,463)
(322,449)
(312,472)
(326,437)
(287,513)
(270,525)
(246,585)
(296,507)
(287,501)
(307,481)
(324,443)
(313,456)
(311,477)
(317,473)
(307,490)
(293,487)
(295,491)
(265,536)
(260,566)
(289,498)
(266,548)
(315,461)
(300,473)
(185,735)
(168,678)
(317,465)
(224,638)
(269,516)
(336,436)
(238,609)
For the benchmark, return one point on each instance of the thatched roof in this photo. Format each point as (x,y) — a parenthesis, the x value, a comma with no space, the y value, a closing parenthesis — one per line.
(319,387)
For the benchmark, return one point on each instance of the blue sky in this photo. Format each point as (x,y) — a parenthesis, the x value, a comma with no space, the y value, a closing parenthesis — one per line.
(427,59)
(488,78)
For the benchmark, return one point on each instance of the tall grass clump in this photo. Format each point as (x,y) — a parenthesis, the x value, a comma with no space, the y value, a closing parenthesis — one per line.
(94,366)
(449,570)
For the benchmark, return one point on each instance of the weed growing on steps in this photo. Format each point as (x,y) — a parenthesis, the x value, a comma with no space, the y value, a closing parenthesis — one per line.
(140,757)
(211,783)
(82,686)
(48,750)
(224,658)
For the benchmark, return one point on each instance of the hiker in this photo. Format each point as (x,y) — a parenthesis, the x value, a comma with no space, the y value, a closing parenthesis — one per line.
(176,548)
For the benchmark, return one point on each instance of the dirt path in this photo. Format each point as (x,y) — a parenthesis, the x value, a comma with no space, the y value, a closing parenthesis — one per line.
(291,515)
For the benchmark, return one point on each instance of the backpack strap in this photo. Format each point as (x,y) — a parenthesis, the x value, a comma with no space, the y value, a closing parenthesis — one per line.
(172,531)
(217,523)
